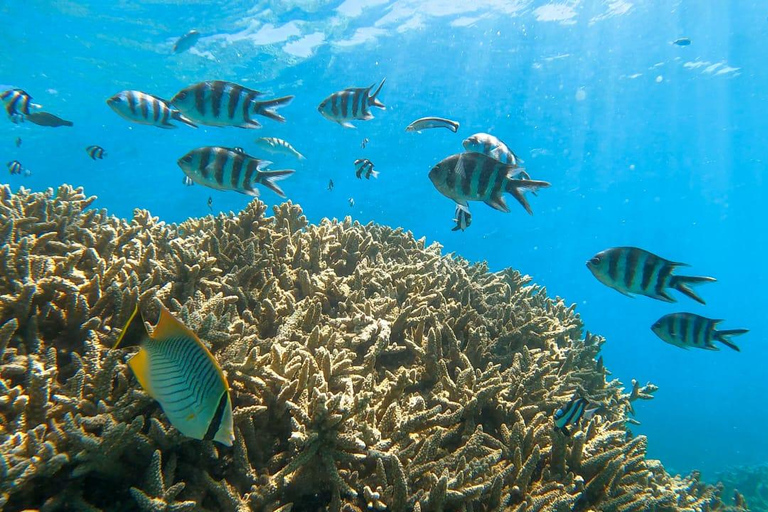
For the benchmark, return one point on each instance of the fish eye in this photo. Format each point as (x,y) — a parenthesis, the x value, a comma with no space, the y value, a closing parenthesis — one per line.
(595,261)
(187,159)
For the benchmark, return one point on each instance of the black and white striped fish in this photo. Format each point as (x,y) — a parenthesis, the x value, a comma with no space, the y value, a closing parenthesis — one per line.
(18,104)
(363,165)
(572,412)
(493,147)
(463,218)
(351,104)
(178,371)
(227,169)
(689,330)
(432,122)
(186,41)
(630,270)
(144,108)
(476,177)
(14,167)
(278,146)
(219,103)
(96,152)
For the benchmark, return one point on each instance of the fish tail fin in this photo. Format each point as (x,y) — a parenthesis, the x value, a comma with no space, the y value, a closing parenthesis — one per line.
(267,108)
(517,187)
(268,179)
(375,174)
(134,332)
(724,337)
(372,98)
(683,283)
(181,117)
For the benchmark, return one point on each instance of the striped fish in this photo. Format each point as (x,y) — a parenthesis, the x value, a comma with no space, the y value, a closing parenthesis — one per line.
(630,270)
(363,165)
(144,108)
(493,147)
(463,218)
(476,177)
(351,104)
(219,103)
(432,122)
(18,104)
(176,369)
(278,146)
(572,412)
(14,167)
(688,330)
(96,152)
(227,169)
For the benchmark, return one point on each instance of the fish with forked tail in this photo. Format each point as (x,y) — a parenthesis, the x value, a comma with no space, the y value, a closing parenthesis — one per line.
(351,104)
(144,108)
(630,270)
(363,165)
(463,218)
(689,330)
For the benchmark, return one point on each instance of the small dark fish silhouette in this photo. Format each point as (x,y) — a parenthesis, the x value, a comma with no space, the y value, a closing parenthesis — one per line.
(363,144)
(187,181)
(330,185)
(14,167)
(96,152)
(186,41)
(683,41)
(46,119)
(210,203)
(18,142)
(351,201)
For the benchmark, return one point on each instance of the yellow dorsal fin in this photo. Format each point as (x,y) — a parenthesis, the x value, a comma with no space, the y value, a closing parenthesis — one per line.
(169,327)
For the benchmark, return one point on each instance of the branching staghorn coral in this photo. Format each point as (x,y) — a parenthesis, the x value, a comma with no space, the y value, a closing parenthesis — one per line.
(367,371)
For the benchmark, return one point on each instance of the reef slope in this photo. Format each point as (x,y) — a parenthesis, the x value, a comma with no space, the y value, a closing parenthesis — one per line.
(367,371)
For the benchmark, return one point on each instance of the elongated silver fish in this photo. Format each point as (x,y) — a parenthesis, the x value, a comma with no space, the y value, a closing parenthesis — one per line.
(144,108)
(14,167)
(278,146)
(630,270)
(178,371)
(227,169)
(18,104)
(351,104)
(220,103)
(96,152)
(432,122)
(186,41)
(476,177)
(363,165)
(572,412)
(689,330)
(493,147)
(463,218)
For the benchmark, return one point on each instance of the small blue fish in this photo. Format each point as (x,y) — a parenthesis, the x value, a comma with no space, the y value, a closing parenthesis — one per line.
(572,413)
(683,41)
(186,41)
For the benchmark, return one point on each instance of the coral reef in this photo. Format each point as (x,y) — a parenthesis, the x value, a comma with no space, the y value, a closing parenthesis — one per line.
(751,481)
(368,372)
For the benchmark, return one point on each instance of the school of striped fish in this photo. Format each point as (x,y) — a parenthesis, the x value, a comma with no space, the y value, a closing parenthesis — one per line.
(177,369)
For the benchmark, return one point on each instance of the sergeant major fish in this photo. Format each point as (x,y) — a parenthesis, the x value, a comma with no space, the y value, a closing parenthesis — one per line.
(178,371)
(186,41)
(351,104)
(688,330)
(144,108)
(226,169)
(96,152)
(476,177)
(493,147)
(363,165)
(18,104)
(571,413)
(220,103)
(463,218)
(14,167)
(631,270)
(432,122)
(278,146)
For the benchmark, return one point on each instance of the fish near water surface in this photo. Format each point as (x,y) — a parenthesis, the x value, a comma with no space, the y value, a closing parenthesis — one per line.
(220,103)
(476,177)
(425,123)
(226,169)
(351,104)
(630,270)
(143,108)
(177,370)
(572,412)
(186,41)
(278,146)
(689,330)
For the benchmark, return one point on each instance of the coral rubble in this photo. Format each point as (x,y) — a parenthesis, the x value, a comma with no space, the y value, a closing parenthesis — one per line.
(368,371)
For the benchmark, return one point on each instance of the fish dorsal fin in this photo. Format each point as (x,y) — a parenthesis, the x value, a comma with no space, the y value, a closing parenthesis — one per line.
(169,327)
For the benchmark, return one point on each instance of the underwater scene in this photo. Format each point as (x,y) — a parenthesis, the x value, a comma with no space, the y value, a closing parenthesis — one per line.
(407,255)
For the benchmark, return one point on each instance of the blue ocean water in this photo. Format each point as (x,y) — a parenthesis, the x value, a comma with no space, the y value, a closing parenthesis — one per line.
(646,143)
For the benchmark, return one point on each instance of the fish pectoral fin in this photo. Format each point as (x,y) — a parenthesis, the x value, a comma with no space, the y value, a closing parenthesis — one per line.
(498,203)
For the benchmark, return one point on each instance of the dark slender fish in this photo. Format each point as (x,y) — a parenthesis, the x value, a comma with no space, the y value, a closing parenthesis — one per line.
(476,177)
(364,143)
(18,142)
(210,203)
(689,330)
(572,412)
(96,152)
(463,218)
(432,122)
(351,201)
(144,108)
(631,270)
(227,169)
(363,165)
(683,41)
(351,104)
(330,184)
(219,103)
(46,119)
(186,41)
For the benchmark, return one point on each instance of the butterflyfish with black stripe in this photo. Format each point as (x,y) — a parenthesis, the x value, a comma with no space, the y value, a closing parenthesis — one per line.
(476,177)
(630,270)
(351,104)
(144,108)
(220,103)
(227,169)
(18,104)
(96,152)
(176,369)
(572,412)
(686,330)
(463,218)
(363,165)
